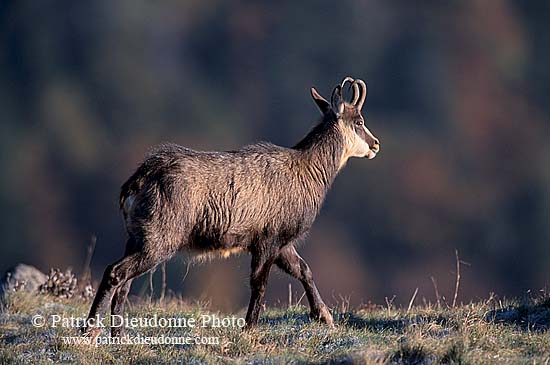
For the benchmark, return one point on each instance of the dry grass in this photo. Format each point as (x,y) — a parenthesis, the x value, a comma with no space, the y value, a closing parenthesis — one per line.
(481,333)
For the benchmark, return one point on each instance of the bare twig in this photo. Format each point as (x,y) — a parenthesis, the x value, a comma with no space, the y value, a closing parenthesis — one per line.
(87,268)
(289,295)
(302,297)
(412,300)
(389,304)
(151,291)
(490,299)
(345,300)
(186,273)
(457,278)
(437,297)
(163,291)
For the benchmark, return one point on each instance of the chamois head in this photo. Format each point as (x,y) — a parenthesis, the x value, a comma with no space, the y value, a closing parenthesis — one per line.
(358,140)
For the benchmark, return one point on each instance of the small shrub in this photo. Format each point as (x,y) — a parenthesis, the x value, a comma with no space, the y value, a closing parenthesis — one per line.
(65,285)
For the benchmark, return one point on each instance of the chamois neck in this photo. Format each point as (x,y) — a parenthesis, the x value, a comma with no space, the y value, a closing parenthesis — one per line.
(321,151)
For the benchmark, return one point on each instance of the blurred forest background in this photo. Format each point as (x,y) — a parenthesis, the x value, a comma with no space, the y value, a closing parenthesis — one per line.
(458,95)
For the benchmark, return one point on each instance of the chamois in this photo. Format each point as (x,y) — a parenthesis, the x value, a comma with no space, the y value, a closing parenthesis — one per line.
(260,199)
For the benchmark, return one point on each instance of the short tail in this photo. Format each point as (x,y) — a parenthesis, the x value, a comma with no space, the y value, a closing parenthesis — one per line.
(131,188)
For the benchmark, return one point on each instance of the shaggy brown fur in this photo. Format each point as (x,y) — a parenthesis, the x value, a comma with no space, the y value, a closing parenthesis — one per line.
(260,199)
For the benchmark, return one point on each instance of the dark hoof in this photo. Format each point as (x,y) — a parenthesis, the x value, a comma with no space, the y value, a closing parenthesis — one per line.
(324,316)
(92,333)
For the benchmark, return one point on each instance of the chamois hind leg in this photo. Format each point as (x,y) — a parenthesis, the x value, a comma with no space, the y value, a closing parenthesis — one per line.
(290,262)
(121,293)
(115,276)
(117,306)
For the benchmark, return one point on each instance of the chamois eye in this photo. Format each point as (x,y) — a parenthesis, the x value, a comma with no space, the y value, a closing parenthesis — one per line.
(359,122)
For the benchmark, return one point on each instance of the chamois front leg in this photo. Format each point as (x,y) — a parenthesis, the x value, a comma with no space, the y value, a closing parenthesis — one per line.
(290,262)
(261,266)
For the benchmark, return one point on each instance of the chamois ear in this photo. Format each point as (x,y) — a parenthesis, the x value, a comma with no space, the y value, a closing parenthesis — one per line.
(337,101)
(321,102)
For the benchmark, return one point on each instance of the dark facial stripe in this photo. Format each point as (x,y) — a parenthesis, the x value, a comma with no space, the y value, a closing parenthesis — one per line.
(361,132)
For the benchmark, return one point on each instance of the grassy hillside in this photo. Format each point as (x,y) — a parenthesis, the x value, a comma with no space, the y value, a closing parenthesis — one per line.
(481,333)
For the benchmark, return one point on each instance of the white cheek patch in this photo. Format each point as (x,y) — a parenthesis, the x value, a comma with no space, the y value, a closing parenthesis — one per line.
(364,147)
(355,146)
(361,147)
(369,152)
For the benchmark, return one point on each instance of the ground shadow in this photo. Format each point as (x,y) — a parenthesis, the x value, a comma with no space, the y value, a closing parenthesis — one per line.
(347,319)
(285,318)
(352,320)
(533,316)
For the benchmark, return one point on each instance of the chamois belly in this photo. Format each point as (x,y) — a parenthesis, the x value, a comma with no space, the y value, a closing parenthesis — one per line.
(211,243)
(224,253)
